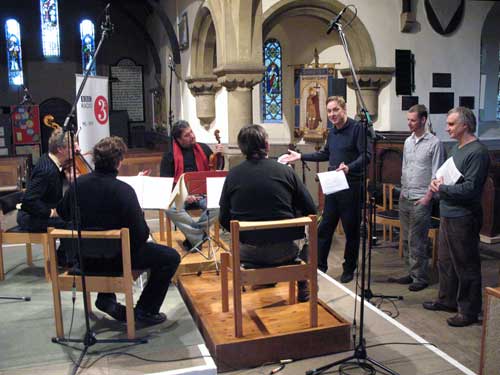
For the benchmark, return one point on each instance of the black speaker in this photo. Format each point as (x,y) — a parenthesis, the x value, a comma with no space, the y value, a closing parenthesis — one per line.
(404,72)
(119,125)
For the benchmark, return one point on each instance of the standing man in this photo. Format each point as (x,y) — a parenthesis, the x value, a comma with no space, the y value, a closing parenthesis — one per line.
(423,154)
(263,189)
(45,189)
(187,155)
(108,203)
(461,220)
(344,151)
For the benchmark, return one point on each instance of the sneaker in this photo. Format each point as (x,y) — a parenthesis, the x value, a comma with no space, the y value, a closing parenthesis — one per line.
(149,318)
(346,276)
(461,320)
(112,308)
(417,286)
(400,280)
(303,294)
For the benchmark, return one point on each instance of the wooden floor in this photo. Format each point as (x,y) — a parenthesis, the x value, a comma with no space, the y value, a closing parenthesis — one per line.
(272,329)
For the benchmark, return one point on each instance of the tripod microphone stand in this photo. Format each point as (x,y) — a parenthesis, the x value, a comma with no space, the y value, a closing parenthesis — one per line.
(89,337)
(360,355)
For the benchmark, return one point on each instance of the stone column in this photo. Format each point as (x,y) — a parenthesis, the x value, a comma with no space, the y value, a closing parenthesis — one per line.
(371,80)
(204,89)
(238,79)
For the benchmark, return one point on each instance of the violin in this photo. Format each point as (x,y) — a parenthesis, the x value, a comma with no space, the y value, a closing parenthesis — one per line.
(216,160)
(82,166)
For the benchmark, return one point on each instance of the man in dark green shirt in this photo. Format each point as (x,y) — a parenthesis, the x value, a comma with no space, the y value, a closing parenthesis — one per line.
(461,220)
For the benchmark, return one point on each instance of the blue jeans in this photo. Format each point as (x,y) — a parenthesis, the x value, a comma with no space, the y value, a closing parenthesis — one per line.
(415,221)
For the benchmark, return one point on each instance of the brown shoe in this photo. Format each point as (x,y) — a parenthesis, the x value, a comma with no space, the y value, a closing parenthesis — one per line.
(461,320)
(437,306)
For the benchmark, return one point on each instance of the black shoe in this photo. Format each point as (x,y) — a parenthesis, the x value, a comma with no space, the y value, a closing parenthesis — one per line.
(187,245)
(303,294)
(417,286)
(114,309)
(400,280)
(437,306)
(461,320)
(346,276)
(149,318)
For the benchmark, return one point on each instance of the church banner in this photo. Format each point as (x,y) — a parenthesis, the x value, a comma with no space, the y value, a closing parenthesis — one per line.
(92,112)
(312,87)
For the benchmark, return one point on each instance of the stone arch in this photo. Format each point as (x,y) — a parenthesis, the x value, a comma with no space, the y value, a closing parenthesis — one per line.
(360,42)
(203,44)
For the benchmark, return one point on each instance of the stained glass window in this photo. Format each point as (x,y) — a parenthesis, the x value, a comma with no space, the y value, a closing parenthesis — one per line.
(87,35)
(14,56)
(49,18)
(272,109)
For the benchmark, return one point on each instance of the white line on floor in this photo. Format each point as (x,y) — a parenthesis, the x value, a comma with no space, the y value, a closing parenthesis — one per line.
(406,330)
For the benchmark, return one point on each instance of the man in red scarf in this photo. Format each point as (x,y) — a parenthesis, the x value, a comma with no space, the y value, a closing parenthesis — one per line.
(187,155)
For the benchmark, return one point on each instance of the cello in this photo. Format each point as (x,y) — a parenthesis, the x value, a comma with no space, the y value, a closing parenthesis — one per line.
(216,160)
(82,166)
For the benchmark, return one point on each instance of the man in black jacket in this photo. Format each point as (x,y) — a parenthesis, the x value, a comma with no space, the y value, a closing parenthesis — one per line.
(108,203)
(262,189)
(344,151)
(45,188)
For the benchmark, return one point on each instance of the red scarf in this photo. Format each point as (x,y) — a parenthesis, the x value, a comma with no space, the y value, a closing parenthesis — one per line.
(199,156)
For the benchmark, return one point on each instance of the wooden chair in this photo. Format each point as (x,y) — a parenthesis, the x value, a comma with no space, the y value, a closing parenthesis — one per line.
(15,235)
(434,237)
(290,273)
(104,284)
(386,214)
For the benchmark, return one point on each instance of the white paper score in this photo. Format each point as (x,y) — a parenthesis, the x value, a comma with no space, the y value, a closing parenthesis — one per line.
(333,181)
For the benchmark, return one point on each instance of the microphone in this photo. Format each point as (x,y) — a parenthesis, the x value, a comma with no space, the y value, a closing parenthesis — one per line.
(171,63)
(107,25)
(336,20)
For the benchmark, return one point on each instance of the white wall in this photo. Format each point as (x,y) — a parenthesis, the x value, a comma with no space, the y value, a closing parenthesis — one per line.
(457,54)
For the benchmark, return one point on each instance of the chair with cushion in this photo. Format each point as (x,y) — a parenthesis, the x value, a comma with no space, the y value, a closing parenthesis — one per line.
(387,215)
(17,236)
(121,282)
(290,273)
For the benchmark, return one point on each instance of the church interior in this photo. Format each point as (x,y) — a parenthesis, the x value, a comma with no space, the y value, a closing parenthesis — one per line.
(221,65)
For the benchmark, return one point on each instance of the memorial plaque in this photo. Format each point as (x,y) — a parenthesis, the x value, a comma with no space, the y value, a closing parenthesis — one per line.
(127,90)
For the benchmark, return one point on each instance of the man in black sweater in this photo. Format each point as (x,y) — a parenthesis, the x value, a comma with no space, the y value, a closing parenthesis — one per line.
(45,188)
(187,155)
(262,189)
(108,203)
(344,151)
(461,219)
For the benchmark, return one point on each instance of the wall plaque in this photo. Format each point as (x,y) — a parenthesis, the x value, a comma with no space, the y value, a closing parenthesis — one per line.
(127,89)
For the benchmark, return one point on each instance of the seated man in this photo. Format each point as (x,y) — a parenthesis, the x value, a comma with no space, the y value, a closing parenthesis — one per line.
(262,189)
(45,187)
(187,155)
(108,203)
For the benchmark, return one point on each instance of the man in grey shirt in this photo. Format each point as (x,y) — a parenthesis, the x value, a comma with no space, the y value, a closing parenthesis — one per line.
(461,220)
(423,154)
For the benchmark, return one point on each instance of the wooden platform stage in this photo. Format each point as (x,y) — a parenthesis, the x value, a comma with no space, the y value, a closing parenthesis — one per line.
(272,329)
(193,262)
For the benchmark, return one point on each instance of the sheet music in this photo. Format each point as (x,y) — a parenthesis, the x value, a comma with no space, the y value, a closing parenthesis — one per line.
(152,192)
(333,181)
(214,191)
(449,172)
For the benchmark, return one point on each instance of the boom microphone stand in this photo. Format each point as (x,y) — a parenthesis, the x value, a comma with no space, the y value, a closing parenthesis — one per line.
(89,337)
(360,356)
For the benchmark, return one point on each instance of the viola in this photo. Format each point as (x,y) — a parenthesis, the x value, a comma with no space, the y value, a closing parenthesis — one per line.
(216,160)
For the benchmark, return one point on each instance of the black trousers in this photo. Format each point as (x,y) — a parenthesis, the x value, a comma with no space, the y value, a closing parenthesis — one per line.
(162,261)
(459,264)
(35,224)
(344,205)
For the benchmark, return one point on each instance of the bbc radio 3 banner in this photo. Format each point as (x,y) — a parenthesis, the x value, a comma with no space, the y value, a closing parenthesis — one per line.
(92,113)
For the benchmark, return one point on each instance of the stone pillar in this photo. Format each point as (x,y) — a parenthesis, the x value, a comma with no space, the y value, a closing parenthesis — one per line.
(204,89)
(238,79)
(371,80)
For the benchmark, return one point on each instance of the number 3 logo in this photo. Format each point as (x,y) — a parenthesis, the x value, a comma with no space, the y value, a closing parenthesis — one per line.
(101,109)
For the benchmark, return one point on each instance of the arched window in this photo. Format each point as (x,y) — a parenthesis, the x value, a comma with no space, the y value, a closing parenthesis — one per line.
(14,55)
(49,21)
(272,108)
(87,35)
